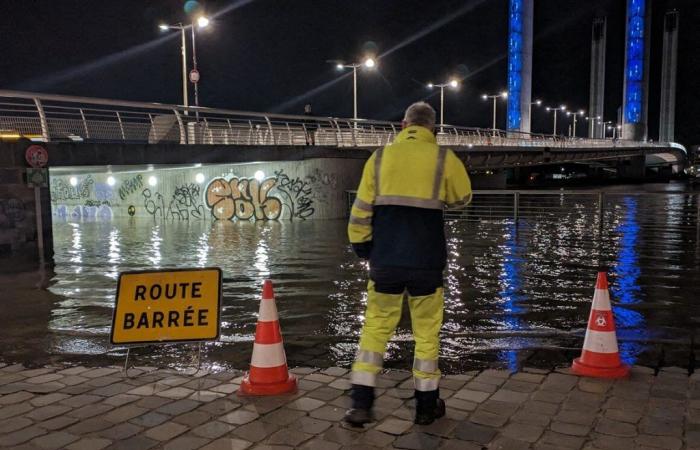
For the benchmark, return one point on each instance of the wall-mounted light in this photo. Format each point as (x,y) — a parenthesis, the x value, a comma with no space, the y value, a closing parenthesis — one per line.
(259,175)
(199,178)
(152,181)
(111,181)
(73,181)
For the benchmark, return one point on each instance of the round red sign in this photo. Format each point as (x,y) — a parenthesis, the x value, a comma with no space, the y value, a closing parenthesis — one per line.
(37,156)
(194,76)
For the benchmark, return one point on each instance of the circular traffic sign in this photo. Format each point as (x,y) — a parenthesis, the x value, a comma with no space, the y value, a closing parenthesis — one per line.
(194,76)
(36,156)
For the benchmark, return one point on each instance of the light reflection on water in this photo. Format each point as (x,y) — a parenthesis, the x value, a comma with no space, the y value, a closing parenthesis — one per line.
(509,291)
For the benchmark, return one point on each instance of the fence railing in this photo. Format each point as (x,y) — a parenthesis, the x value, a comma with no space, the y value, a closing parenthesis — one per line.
(52,118)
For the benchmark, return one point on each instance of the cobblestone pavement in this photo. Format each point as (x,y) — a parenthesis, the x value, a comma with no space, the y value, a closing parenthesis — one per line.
(93,408)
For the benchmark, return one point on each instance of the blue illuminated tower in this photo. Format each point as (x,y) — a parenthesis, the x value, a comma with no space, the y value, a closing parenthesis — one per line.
(636,79)
(520,24)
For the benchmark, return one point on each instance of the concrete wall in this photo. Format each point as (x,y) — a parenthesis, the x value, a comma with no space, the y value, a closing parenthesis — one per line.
(281,190)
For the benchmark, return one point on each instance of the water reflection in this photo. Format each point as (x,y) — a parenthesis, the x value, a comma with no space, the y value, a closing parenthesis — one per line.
(511,295)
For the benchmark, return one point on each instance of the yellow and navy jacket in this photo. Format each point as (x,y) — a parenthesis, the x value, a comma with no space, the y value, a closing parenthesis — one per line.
(396,220)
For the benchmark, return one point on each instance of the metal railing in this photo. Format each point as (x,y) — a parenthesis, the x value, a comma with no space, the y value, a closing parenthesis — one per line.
(56,118)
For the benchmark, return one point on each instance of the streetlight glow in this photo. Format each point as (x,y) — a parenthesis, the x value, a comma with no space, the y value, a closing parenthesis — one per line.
(370,63)
(339,66)
(163,27)
(203,22)
(538,102)
(484,97)
(430,85)
(454,84)
(504,94)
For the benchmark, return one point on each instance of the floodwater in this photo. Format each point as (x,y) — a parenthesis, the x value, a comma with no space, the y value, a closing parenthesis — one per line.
(514,295)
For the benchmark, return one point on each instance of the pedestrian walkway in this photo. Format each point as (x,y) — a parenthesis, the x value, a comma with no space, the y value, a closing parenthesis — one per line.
(81,408)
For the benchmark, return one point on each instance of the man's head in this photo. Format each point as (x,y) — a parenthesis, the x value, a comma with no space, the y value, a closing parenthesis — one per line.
(421,114)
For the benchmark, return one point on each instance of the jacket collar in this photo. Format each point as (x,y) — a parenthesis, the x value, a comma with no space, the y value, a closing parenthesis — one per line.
(416,133)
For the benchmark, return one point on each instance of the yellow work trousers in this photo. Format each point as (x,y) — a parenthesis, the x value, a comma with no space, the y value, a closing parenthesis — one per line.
(382,317)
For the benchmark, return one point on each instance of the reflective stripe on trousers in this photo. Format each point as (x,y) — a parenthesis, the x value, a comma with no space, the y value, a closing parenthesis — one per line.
(382,317)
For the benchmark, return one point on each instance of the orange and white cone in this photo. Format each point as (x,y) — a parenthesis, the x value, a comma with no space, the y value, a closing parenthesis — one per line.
(268,374)
(600,356)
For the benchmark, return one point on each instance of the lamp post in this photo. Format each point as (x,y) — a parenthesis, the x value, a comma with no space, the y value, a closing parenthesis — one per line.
(529,110)
(555,110)
(202,22)
(593,128)
(368,63)
(606,126)
(454,84)
(494,97)
(574,115)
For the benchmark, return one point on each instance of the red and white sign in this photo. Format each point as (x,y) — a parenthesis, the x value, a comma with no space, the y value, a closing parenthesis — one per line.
(37,156)
(194,76)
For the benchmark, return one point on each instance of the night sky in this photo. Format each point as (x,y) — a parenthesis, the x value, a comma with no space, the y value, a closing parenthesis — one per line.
(265,55)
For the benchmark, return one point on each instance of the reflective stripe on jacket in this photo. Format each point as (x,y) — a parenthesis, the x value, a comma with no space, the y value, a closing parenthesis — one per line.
(404,188)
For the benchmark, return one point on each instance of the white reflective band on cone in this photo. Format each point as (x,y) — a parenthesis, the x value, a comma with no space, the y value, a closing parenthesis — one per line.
(425,365)
(268,311)
(363,378)
(426,384)
(374,358)
(601,300)
(268,355)
(600,341)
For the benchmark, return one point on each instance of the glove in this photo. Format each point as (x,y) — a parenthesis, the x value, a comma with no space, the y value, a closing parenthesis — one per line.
(363,249)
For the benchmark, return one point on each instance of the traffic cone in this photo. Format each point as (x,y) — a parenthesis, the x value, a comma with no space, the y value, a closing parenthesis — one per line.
(600,356)
(268,374)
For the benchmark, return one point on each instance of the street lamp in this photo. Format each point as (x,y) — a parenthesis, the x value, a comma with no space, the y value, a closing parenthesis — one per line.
(574,115)
(368,63)
(529,110)
(606,126)
(454,84)
(592,126)
(503,94)
(555,110)
(202,22)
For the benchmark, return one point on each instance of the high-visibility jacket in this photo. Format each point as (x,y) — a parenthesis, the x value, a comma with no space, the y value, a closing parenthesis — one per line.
(397,217)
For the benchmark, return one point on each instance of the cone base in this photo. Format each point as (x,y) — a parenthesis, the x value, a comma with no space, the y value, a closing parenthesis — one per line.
(585,370)
(261,389)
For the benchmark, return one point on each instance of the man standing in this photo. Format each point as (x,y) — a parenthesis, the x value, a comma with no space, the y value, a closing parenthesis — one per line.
(397,223)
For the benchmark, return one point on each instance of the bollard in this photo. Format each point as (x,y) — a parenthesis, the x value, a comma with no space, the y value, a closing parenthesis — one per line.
(516,207)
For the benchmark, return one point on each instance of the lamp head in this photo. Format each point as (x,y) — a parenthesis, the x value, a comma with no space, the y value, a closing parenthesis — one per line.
(485,97)
(202,22)
(163,27)
(454,84)
(430,85)
(370,63)
(504,94)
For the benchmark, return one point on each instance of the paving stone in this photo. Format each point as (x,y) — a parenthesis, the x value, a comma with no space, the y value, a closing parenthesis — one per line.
(614,428)
(239,417)
(531,418)
(58,423)
(255,431)
(166,431)
(120,432)
(577,417)
(139,442)
(501,408)
(47,412)
(529,377)
(520,386)
(220,407)
(186,443)
(523,432)
(594,385)
(341,384)
(73,370)
(623,416)
(76,390)
(614,443)
(624,404)
(264,405)
(560,441)
(556,382)
(124,413)
(89,444)
(471,396)
(15,410)
(329,412)
(310,425)
(665,442)
(90,411)
(227,444)
(326,393)
(43,400)
(481,387)
(148,389)
(339,372)
(660,427)
(320,444)
(308,385)
(73,380)
(341,435)
(176,393)
(417,441)
(283,416)
(443,427)
(549,397)
(570,429)
(226,388)
(504,395)
(319,378)
(193,418)
(489,419)
(548,409)
(89,426)
(344,401)
(213,430)
(456,444)
(462,405)
(17,397)
(97,373)
(78,401)
(206,396)
(288,436)
(507,443)
(467,431)
(150,419)
(178,407)
(23,435)
(394,426)
(14,424)
(305,404)
(101,382)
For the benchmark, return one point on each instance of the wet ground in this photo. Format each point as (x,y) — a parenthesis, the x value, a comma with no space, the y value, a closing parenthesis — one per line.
(514,295)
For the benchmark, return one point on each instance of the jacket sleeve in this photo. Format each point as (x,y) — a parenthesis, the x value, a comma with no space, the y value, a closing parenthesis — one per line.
(360,225)
(458,187)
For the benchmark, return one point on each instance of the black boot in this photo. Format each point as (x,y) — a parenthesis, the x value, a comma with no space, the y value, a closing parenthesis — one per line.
(429,406)
(362,401)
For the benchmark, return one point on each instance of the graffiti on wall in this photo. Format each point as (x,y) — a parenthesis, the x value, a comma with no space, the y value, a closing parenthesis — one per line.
(184,204)
(93,210)
(12,212)
(61,190)
(243,198)
(298,195)
(130,186)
